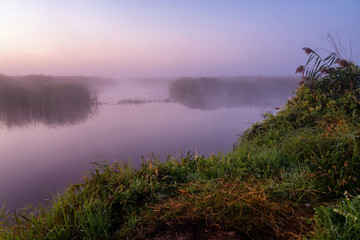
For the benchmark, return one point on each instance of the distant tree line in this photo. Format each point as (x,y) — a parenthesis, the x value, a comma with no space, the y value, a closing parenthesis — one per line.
(213,93)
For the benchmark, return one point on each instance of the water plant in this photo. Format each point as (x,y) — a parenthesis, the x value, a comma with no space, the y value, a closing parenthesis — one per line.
(141,101)
(53,103)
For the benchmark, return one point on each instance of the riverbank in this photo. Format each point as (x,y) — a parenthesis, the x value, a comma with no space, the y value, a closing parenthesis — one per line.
(293,175)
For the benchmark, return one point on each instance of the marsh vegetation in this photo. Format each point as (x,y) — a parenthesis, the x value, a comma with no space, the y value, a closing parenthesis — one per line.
(214,93)
(129,101)
(52,101)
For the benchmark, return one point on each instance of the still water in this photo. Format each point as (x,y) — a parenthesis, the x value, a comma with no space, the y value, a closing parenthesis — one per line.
(38,159)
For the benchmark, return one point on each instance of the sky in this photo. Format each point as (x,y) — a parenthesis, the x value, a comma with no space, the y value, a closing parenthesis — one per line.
(170,38)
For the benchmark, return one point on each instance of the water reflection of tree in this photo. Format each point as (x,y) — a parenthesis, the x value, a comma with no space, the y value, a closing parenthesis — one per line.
(212,93)
(54,104)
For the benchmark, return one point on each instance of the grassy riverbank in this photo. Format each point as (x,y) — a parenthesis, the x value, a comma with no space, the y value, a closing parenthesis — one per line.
(294,175)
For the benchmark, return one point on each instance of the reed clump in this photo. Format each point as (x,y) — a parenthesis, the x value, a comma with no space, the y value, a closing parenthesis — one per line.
(136,101)
(28,100)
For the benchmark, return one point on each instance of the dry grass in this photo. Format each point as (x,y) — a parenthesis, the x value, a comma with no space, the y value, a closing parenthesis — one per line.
(232,210)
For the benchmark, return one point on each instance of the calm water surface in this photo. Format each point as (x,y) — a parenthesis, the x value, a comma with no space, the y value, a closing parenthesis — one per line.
(37,159)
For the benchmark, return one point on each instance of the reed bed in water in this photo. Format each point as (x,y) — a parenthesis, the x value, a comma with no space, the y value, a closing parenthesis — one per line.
(53,103)
(213,93)
(130,101)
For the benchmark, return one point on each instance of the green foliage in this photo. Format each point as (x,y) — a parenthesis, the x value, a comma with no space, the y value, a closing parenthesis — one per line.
(341,221)
(332,76)
(340,81)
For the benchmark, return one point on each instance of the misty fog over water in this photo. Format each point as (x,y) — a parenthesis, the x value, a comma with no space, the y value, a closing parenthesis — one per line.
(130,120)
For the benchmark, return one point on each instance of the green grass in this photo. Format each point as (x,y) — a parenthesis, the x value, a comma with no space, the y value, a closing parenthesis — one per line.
(340,221)
(285,179)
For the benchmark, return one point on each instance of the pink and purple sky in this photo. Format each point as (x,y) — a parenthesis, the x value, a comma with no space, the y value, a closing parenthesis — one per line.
(170,38)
